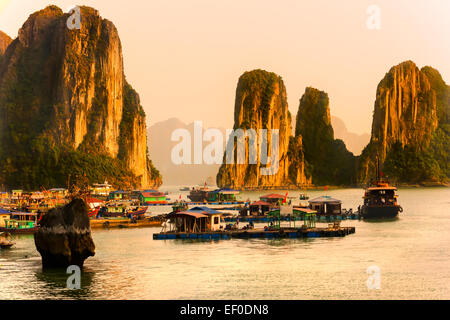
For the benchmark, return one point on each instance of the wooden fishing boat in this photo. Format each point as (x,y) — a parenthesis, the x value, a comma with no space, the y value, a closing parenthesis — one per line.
(4,244)
(380,201)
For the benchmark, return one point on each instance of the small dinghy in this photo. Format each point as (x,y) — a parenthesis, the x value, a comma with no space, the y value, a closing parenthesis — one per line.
(6,244)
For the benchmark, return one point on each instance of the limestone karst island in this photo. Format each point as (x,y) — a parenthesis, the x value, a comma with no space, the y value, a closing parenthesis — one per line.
(188,151)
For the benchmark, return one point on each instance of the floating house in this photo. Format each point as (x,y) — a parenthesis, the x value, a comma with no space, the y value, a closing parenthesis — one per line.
(273,198)
(222,195)
(117,195)
(326,205)
(4,215)
(20,223)
(16,193)
(101,189)
(197,219)
(259,208)
(150,197)
(4,197)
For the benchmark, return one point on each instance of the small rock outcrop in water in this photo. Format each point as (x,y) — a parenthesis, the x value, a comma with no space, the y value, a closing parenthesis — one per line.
(64,238)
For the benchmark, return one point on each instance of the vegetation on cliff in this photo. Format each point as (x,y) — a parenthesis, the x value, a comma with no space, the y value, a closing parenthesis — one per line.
(328,161)
(66,109)
(261,103)
(410,131)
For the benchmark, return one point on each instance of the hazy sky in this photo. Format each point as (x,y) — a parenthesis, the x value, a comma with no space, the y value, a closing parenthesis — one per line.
(184,57)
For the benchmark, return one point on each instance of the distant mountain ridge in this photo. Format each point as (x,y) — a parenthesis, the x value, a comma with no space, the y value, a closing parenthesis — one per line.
(160,149)
(354,142)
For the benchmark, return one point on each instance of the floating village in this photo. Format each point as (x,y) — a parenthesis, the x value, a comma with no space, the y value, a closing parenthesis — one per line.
(207,214)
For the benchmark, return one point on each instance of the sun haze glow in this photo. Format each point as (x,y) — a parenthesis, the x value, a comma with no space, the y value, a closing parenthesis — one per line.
(184,57)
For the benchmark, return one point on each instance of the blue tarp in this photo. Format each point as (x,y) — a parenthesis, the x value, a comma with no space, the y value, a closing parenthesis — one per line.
(204,210)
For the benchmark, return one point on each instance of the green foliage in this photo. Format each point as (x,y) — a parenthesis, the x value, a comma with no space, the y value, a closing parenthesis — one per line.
(442,93)
(411,165)
(258,82)
(328,161)
(47,165)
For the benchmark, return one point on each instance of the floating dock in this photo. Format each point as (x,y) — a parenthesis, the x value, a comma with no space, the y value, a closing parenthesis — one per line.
(123,223)
(259,233)
(320,218)
(222,203)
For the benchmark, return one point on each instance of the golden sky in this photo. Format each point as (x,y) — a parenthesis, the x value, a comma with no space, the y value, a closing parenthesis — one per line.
(184,57)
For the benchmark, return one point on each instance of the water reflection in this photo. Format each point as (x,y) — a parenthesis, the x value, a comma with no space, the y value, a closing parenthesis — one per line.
(129,264)
(53,284)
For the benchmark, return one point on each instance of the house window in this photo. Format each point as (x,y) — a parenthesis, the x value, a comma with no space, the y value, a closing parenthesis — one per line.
(216,220)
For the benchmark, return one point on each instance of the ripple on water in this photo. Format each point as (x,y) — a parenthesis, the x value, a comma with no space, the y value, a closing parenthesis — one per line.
(411,253)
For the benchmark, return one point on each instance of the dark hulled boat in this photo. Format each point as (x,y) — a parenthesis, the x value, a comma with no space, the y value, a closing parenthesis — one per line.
(198,195)
(380,201)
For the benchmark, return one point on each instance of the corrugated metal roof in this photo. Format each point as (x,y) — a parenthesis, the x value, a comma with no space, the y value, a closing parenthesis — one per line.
(196,215)
(260,203)
(325,199)
(204,210)
(152,194)
(272,196)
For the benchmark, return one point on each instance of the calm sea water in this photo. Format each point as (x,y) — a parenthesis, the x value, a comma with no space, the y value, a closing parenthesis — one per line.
(413,254)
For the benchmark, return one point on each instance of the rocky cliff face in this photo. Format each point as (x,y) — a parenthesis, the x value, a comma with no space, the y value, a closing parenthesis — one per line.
(5,40)
(261,103)
(327,160)
(68,89)
(411,107)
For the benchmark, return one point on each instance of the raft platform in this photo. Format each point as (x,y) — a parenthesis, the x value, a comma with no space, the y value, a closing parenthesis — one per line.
(259,233)
(123,223)
(320,218)
(224,203)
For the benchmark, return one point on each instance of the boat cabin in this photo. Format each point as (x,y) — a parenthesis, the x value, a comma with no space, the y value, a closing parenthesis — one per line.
(259,208)
(382,194)
(222,195)
(326,205)
(4,196)
(117,195)
(4,215)
(94,203)
(101,189)
(197,219)
(16,193)
(21,220)
(59,193)
(152,197)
